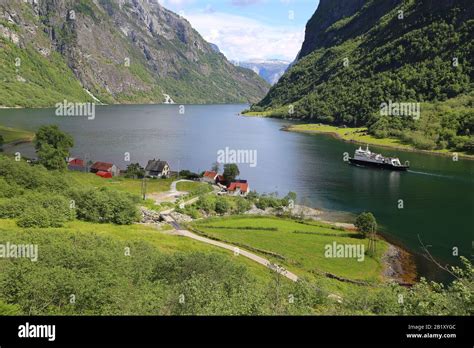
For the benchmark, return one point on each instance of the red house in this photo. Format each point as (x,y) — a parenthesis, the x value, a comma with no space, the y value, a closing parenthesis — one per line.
(76,164)
(210,177)
(105,167)
(238,189)
(105,175)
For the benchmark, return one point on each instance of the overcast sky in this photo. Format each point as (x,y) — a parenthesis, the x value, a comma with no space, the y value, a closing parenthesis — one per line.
(249,29)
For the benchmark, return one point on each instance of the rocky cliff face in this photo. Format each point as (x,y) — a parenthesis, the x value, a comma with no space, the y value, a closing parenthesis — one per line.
(328,13)
(119,50)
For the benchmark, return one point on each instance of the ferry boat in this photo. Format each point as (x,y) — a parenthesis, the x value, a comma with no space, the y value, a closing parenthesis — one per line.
(370,159)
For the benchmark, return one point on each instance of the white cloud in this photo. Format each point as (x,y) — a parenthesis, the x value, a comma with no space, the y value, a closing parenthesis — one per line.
(242,38)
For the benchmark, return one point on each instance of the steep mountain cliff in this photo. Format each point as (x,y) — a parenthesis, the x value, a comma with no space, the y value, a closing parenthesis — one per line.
(358,55)
(119,51)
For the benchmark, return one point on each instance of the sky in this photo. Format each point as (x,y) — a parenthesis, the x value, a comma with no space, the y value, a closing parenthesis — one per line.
(249,29)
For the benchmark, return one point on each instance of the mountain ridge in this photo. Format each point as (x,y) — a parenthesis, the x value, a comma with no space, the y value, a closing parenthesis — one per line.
(381,51)
(121,51)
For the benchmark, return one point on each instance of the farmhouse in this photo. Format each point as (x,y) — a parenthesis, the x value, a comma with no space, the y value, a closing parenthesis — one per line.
(76,164)
(157,169)
(238,189)
(104,167)
(210,177)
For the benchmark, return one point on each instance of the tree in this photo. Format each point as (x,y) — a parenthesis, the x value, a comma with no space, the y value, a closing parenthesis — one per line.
(216,167)
(231,171)
(135,171)
(52,147)
(366,223)
(2,141)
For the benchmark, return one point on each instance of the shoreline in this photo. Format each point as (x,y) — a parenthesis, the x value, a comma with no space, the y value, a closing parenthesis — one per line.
(336,135)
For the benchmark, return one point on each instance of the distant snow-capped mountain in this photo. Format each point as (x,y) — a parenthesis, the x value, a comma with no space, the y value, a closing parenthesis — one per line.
(269,69)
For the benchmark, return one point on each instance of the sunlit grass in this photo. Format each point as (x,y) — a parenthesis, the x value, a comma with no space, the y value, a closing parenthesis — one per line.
(12,135)
(301,245)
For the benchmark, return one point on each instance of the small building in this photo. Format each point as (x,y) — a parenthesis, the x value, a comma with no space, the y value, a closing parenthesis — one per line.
(157,169)
(105,175)
(238,189)
(105,167)
(210,177)
(76,164)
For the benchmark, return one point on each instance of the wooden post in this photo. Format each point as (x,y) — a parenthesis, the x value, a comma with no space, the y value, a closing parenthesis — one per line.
(144,188)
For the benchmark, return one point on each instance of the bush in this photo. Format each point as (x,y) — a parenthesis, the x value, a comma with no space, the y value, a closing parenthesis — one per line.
(9,190)
(222,205)
(243,205)
(206,203)
(29,207)
(31,177)
(105,205)
(34,216)
(265,202)
(366,223)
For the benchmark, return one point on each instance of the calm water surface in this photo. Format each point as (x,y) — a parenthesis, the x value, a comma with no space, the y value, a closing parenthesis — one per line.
(437,192)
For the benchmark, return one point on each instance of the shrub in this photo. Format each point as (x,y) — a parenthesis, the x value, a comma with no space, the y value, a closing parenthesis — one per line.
(29,207)
(105,205)
(9,190)
(34,216)
(222,205)
(366,223)
(243,205)
(206,203)
(31,177)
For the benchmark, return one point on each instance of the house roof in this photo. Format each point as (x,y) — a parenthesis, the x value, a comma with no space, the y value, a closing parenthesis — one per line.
(210,175)
(76,162)
(102,166)
(244,187)
(156,166)
(105,175)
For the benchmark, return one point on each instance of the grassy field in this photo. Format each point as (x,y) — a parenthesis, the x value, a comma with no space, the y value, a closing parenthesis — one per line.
(359,135)
(187,186)
(163,242)
(133,186)
(12,135)
(300,247)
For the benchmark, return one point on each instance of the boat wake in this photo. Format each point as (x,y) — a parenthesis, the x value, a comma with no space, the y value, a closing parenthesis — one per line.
(432,174)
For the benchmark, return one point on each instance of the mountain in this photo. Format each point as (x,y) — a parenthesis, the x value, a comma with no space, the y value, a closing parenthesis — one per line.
(119,51)
(270,70)
(359,54)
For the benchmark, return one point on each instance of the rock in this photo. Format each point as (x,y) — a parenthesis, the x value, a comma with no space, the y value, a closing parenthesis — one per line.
(181,218)
(150,216)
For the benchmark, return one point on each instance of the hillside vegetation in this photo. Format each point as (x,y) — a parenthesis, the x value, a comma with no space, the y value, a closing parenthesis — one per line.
(93,260)
(383,51)
(120,51)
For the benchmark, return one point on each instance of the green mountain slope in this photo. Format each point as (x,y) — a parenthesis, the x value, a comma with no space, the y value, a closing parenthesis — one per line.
(360,54)
(120,51)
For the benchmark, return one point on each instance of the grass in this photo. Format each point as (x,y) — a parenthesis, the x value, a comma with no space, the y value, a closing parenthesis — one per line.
(187,186)
(301,245)
(133,186)
(359,135)
(163,242)
(11,135)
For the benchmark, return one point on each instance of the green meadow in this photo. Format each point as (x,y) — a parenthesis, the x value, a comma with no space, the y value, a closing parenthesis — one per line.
(298,246)
(133,186)
(13,135)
